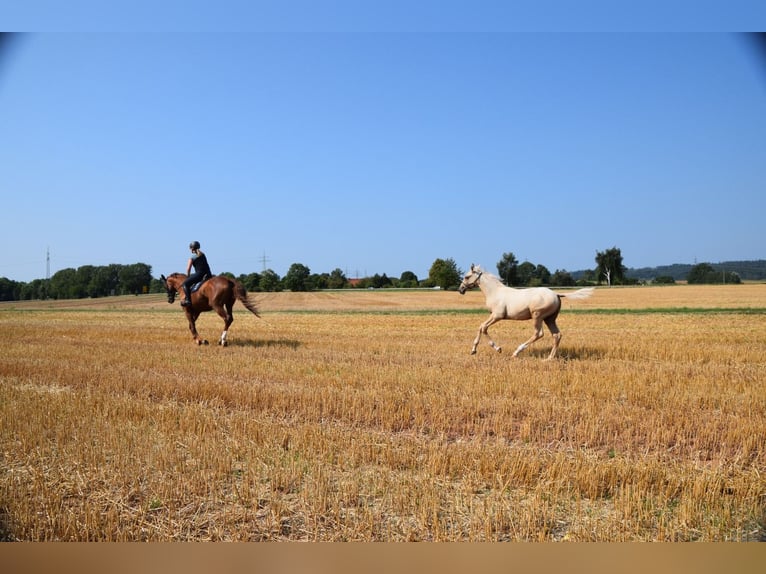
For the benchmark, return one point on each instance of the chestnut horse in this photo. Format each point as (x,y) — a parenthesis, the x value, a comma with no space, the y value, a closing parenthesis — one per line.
(537,303)
(216,294)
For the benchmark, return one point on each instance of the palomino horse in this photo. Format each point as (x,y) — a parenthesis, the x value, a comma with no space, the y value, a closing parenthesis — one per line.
(217,293)
(537,303)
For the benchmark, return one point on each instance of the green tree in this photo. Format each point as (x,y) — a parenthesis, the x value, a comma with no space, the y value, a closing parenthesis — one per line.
(81,286)
(525,273)
(104,281)
(9,289)
(297,278)
(36,289)
(507,268)
(381,281)
(699,273)
(135,278)
(444,273)
(408,279)
(337,279)
(61,283)
(705,273)
(270,281)
(562,278)
(664,280)
(319,280)
(609,266)
(542,275)
(251,281)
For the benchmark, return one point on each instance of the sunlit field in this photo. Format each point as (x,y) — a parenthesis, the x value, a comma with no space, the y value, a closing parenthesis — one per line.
(362,416)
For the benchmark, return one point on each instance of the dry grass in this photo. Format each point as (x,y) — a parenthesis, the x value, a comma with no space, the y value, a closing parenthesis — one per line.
(367,419)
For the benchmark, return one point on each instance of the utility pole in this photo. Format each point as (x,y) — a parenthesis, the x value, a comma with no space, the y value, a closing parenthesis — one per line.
(48,263)
(264,260)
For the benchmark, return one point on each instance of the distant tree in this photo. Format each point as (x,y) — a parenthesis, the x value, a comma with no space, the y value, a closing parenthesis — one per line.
(363,283)
(609,266)
(319,281)
(297,278)
(699,273)
(337,279)
(731,277)
(444,273)
(525,273)
(542,275)
(704,273)
(663,280)
(36,289)
(562,278)
(61,283)
(270,281)
(251,281)
(156,286)
(408,279)
(105,280)
(135,279)
(380,281)
(9,290)
(81,285)
(507,268)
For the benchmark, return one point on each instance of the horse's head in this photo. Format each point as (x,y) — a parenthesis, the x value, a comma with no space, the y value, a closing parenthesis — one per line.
(471,279)
(170,287)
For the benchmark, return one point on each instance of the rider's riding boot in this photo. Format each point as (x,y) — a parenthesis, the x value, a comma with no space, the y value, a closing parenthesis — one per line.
(186,302)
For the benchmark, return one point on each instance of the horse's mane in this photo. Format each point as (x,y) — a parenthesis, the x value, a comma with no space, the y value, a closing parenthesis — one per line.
(176,275)
(481,270)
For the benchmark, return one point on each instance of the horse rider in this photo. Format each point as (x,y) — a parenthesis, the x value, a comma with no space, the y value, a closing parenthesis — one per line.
(201,271)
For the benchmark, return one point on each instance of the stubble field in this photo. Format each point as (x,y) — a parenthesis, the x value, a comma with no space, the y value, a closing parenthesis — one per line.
(362,416)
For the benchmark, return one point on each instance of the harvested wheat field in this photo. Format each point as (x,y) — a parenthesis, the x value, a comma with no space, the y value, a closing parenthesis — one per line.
(361,416)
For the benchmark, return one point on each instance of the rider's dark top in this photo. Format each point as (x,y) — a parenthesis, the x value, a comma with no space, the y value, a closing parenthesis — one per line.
(201,267)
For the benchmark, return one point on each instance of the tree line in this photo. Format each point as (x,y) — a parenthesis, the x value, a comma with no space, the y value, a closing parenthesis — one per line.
(83,282)
(115,279)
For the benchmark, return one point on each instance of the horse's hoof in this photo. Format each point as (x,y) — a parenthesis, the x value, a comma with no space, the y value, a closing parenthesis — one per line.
(223,343)
(473,352)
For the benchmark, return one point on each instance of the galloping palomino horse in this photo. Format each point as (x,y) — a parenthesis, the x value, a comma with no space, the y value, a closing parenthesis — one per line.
(216,294)
(537,303)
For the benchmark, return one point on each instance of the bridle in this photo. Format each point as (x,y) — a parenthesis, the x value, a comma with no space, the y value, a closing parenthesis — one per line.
(477,276)
(171,291)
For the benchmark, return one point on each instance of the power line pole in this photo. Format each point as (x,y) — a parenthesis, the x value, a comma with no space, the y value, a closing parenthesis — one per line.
(48,263)
(264,260)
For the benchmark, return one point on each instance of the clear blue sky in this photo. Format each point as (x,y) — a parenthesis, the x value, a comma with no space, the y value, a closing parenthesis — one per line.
(377,148)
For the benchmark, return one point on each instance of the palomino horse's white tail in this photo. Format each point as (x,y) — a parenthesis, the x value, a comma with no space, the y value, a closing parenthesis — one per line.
(583,293)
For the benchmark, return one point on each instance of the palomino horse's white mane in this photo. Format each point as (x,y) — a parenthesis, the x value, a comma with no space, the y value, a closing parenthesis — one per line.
(540,304)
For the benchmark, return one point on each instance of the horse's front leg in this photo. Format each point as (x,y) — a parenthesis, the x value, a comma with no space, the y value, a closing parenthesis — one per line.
(484,330)
(193,327)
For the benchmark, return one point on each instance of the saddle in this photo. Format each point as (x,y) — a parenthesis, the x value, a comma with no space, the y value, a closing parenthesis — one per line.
(198,284)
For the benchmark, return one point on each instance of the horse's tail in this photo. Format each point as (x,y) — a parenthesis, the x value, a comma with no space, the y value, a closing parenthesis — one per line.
(241,293)
(583,293)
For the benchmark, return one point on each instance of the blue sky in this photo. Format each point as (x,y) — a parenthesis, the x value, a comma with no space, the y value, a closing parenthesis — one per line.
(377,151)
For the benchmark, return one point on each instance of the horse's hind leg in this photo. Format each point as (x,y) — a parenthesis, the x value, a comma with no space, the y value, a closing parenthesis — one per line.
(228,318)
(553,328)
